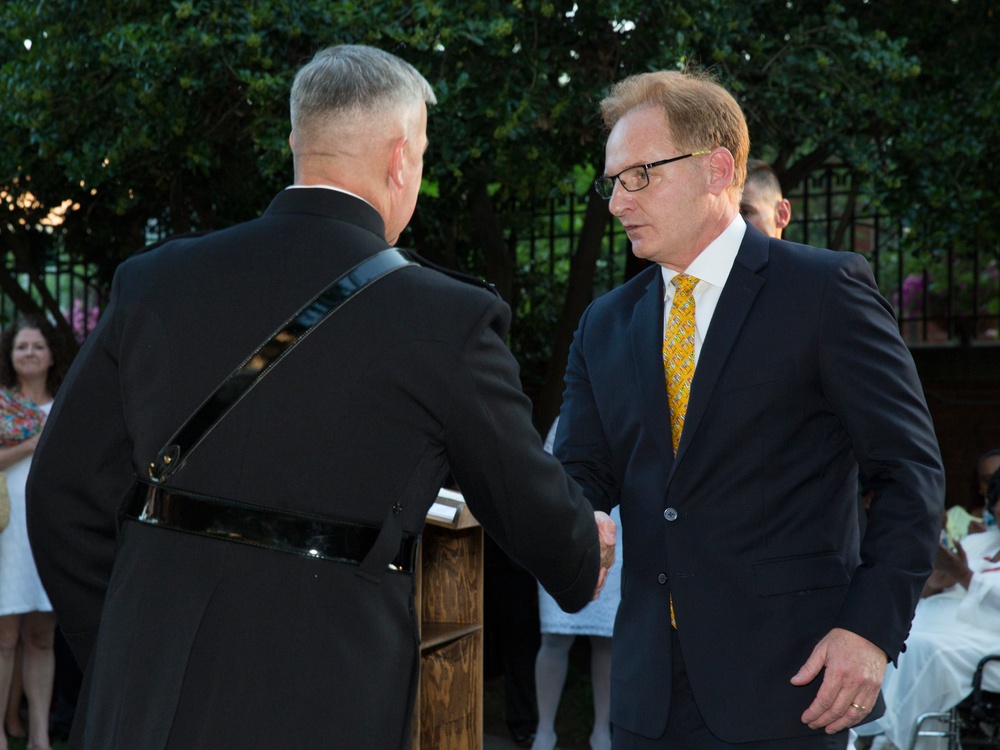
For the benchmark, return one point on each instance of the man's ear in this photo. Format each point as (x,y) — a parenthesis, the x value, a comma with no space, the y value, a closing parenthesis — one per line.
(783,213)
(722,167)
(291,141)
(397,161)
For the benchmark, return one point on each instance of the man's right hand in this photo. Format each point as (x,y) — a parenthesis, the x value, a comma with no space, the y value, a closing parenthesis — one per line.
(607,532)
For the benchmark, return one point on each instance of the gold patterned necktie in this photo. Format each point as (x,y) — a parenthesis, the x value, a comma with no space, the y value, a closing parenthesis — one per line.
(678,352)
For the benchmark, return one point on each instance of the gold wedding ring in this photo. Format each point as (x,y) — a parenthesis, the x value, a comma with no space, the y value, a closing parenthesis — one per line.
(862,709)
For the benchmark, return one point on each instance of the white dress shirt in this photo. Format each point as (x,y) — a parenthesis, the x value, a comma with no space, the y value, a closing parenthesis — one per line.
(711,268)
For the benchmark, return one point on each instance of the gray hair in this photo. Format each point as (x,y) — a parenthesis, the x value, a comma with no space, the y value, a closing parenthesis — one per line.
(350,80)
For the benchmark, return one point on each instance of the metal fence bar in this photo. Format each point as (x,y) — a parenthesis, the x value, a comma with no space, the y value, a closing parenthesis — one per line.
(926,315)
(75,287)
(966,309)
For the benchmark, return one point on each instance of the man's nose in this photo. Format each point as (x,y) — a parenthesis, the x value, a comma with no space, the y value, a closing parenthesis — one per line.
(620,200)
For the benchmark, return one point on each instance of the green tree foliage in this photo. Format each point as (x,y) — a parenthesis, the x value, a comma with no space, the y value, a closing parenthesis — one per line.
(174,116)
(935,169)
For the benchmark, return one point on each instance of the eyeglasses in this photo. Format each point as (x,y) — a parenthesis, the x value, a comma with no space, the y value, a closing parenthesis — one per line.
(634,178)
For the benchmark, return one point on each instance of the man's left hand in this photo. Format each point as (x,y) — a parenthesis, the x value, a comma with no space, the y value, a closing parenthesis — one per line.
(854,668)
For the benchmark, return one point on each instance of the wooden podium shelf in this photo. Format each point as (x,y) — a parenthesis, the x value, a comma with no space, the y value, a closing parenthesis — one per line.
(448,714)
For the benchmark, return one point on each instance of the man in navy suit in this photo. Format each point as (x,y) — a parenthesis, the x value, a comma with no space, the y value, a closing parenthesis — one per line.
(753,613)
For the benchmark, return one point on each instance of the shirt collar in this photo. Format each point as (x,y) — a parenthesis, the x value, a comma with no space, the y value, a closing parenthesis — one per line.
(335,189)
(714,263)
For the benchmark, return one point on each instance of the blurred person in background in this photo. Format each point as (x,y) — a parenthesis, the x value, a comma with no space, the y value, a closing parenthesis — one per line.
(763,204)
(29,381)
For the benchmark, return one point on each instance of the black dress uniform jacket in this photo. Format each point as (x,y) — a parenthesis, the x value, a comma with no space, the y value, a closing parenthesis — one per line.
(189,642)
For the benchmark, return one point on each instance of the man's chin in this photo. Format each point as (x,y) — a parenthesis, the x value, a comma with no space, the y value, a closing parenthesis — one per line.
(642,251)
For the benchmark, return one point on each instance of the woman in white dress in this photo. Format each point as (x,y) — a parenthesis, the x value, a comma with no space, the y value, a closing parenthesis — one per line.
(559,630)
(29,376)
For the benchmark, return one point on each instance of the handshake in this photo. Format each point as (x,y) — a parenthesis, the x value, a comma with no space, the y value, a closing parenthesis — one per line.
(606,533)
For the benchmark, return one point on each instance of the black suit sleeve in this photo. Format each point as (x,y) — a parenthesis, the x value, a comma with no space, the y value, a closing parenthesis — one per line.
(519,493)
(869,378)
(581,442)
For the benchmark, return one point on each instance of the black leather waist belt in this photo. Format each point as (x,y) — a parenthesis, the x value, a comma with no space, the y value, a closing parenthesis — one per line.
(297,533)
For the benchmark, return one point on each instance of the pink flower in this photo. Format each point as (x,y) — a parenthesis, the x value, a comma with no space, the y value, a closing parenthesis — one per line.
(82,322)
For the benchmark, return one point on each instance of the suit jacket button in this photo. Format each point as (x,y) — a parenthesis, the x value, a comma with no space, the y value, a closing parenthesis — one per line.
(662,578)
(670,514)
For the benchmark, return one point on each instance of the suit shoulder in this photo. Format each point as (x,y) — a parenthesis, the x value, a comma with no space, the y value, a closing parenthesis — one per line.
(454,292)
(819,263)
(157,252)
(818,257)
(173,240)
(456,276)
(448,300)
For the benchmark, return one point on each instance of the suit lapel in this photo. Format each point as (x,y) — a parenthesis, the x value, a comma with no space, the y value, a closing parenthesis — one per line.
(737,298)
(647,346)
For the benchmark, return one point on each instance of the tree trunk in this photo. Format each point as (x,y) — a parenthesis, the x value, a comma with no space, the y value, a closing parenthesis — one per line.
(847,218)
(579,293)
(487,232)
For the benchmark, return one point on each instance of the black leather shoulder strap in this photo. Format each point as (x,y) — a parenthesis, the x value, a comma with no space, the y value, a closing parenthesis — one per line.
(172,456)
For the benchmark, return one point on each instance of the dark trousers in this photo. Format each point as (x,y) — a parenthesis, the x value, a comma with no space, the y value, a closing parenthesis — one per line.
(686,729)
(66,687)
(512,634)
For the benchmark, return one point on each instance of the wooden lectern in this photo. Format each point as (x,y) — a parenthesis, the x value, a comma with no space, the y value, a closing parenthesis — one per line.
(448,714)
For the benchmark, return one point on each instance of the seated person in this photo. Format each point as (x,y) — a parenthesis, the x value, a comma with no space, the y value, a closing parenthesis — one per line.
(956,624)
(958,521)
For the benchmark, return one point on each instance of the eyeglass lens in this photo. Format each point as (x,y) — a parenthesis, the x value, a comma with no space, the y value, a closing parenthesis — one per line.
(632,179)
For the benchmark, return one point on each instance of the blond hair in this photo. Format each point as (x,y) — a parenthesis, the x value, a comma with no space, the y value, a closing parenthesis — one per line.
(699,113)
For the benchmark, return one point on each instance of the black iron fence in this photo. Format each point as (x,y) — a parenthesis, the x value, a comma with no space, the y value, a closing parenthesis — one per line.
(78,289)
(940,296)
